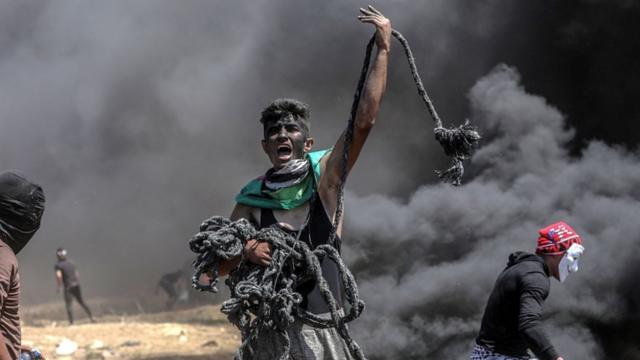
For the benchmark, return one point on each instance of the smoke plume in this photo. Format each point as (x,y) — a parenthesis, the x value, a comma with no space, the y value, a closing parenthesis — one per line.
(427,264)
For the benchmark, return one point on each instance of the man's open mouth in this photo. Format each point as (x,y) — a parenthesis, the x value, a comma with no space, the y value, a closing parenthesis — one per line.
(284,152)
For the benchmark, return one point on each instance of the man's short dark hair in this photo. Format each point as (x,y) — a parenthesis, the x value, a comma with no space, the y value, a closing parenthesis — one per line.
(280,108)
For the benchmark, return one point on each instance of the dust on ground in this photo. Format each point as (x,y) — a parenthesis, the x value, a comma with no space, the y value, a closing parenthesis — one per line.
(200,332)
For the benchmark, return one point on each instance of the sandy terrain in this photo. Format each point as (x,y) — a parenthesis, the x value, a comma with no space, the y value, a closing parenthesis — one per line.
(197,333)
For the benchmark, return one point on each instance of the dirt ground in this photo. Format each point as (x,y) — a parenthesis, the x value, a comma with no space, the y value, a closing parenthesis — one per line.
(196,333)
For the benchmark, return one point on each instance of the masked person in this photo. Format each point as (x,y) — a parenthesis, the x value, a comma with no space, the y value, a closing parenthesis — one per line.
(67,275)
(512,319)
(21,208)
(282,197)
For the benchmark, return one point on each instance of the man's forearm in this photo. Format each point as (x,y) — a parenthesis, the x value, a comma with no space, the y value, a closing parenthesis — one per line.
(227,266)
(539,343)
(373,91)
(58,279)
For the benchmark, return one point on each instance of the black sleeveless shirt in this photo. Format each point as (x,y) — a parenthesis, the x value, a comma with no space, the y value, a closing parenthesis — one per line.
(314,234)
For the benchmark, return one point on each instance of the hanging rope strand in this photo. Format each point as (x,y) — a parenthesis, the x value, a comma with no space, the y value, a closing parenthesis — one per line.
(458,143)
(416,77)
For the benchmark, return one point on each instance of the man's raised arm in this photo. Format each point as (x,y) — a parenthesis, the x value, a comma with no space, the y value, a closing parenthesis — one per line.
(366,114)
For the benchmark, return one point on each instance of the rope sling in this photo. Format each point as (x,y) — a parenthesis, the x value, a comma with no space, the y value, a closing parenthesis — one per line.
(264,302)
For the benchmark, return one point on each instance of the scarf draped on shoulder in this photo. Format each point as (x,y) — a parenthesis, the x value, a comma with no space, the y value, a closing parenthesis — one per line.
(284,189)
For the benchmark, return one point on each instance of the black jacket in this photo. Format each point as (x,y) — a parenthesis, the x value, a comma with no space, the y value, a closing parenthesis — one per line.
(512,319)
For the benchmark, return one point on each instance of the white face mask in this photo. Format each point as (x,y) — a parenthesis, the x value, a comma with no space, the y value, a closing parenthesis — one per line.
(569,262)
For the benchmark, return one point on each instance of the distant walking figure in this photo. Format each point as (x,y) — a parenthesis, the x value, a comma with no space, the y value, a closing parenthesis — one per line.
(169,283)
(67,275)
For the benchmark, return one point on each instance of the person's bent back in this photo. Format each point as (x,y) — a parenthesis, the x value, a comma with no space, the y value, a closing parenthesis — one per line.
(512,317)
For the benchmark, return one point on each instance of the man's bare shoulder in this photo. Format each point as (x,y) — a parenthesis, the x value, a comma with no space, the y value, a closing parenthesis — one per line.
(324,161)
(241,211)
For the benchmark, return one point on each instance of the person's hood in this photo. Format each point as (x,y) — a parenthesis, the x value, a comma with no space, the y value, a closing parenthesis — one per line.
(21,208)
(521,256)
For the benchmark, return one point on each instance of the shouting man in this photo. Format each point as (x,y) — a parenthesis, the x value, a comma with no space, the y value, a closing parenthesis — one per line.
(512,319)
(21,208)
(283,196)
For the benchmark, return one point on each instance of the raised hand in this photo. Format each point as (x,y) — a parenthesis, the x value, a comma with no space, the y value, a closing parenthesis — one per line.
(382,24)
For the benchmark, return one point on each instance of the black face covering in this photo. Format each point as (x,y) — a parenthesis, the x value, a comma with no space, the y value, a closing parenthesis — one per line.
(21,207)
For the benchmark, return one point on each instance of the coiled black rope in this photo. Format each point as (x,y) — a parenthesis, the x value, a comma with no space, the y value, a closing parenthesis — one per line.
(263,301)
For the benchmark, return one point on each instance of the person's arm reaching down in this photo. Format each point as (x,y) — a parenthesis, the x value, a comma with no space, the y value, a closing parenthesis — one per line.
(58,280)
(535,288)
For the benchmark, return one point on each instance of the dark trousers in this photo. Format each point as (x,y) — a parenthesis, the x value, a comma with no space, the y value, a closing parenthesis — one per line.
(69,294)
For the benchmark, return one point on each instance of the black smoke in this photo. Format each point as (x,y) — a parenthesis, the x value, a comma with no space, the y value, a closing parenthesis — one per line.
(426,265)
(140,119)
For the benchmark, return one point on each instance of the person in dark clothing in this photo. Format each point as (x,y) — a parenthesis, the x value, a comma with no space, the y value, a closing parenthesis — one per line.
(67,276)
(512,324)
(169,283)
(21,208)
(302,183)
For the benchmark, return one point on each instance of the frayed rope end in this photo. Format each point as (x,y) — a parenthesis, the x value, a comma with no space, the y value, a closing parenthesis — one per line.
(452,175)
(458,142)
(211,287)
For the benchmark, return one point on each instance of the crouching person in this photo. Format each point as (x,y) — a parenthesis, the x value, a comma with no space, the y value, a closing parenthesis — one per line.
(21,207)
(511,324)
